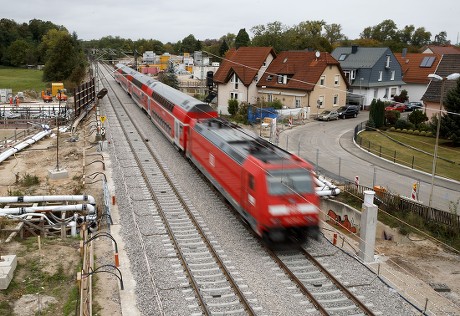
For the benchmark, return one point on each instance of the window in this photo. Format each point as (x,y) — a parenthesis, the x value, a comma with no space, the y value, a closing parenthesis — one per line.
(264,64)
(387,64)
(297,102)
(393,92)
(256,78)
(280,79)
(322,80)
(251,181)
(234,95)
(270,97)
(392,75)
(342,57)
(380,75)
(376,93)
(336,80)
(235,81)
(427,62)
(321,101)
(336,99)
(269,78)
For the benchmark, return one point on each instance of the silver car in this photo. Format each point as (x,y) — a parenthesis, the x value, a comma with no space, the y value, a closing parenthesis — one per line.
(327,115)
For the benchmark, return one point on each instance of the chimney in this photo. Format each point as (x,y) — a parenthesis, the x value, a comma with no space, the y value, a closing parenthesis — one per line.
(404,52)
(354,49)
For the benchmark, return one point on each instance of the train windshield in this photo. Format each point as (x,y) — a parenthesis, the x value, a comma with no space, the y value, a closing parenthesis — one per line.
(289,181)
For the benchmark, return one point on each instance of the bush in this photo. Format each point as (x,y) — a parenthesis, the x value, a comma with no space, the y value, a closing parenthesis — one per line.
(404,130)
(410,131)
(391,117)
(392,128)
(403,124)
(232,106)
(416,132)
(422,133)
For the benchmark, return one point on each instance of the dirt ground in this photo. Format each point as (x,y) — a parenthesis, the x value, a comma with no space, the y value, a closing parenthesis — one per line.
(411,263)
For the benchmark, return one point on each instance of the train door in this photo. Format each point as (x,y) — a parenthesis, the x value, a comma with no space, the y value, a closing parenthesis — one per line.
(179,135)
(249,198)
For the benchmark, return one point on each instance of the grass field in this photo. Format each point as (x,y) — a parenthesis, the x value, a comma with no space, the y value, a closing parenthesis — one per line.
(20,79)
(447,164)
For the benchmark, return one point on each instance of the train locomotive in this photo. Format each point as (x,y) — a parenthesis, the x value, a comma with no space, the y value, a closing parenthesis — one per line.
(272,189)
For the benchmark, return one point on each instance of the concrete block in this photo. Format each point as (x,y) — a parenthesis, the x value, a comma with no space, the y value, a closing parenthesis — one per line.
(8,264)
(57,174)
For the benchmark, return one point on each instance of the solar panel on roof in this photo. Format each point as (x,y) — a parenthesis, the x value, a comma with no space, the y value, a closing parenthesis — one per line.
(427,61)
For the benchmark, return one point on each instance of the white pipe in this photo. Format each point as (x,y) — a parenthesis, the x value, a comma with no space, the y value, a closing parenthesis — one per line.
(53,208)
(325,188)
(6,154)
(47,198)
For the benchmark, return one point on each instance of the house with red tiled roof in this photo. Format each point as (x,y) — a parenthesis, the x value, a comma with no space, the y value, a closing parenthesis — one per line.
(302,79)
(441,50)
(415,70)
(449,64)
(239,73)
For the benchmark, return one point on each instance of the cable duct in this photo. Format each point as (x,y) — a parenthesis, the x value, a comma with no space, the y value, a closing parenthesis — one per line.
(6,154)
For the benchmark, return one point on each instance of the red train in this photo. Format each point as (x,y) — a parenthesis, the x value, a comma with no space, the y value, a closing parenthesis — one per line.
(272,189)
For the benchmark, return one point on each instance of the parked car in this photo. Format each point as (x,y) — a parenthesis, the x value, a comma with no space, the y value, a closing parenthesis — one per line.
(327,115)
(348,111)
(414,106)
(396,107)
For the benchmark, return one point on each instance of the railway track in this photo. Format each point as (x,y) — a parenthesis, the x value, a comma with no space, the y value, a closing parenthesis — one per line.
(216,291)
(321,287)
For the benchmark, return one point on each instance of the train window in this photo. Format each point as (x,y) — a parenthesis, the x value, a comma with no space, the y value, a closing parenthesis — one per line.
(291,181)
(251,182)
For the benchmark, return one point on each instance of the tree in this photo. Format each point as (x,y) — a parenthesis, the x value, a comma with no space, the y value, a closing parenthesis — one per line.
(333,33)
(242,39)
(402,97)
(441,39)
(223,48)
(190,44)
(271,35)
(64,59)
(17,53)
(420,37)
(417,117)
(377,113)
(450,121)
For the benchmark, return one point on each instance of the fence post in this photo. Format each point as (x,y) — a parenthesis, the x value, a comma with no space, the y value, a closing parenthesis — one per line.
(380,151)
(369,147)
(413,158)
(394,158)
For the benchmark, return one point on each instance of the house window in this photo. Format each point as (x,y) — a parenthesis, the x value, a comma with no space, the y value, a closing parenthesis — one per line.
(393,92)
(270,97)
(336,99)
(336,80)
(269,78)
(392,75)
(280,79)
(342,57)
(322,80)
(235,81)
(376,93)
(387,64)
(380,75)
(297,102)
(234,95)
(256,78)
(321,101)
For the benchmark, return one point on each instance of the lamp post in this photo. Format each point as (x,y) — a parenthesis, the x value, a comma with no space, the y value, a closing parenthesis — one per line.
(436,77)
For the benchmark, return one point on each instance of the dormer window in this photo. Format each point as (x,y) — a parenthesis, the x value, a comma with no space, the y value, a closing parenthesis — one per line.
(380,75)
(342,57)
(387,64)
(269,78)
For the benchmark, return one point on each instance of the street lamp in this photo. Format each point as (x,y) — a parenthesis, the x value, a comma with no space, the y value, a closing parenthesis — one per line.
(436,77)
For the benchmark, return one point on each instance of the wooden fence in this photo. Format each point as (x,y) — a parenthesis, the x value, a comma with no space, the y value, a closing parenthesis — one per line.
(394,203)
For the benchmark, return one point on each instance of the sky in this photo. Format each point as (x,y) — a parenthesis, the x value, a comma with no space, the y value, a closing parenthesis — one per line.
(172,21)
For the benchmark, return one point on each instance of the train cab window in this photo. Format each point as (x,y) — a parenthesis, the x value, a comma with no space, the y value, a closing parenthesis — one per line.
(291,181)
(251,182)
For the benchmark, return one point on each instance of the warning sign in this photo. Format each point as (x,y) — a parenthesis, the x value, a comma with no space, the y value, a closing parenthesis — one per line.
(103,118)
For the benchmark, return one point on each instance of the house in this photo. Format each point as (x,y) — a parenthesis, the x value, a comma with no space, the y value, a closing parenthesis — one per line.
(415,70)
(239,73)
(449,64)
(372,72)
(441,50)
(303,79)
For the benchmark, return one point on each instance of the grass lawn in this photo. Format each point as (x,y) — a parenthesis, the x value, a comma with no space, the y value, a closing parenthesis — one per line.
(447,164)
(20,79)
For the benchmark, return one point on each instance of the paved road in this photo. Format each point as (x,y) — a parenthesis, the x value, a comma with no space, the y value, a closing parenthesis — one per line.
(330,147)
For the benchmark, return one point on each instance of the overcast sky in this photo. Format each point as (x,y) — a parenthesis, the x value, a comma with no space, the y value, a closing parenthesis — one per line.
(171,21)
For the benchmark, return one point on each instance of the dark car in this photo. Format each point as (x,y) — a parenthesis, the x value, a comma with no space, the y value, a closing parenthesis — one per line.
(414,106)
(348,111)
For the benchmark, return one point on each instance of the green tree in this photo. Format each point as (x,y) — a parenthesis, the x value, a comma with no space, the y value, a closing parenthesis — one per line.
(64,59)
(377,113)
(189,45)
(242,39)
(333,33)
(271,35)
(232,106)
(450,121)
(421,37)
(17,54)
(417,117)
(223,48)
(441,39)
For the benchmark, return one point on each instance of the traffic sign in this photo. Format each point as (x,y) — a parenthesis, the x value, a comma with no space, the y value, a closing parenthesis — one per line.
(103,118)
